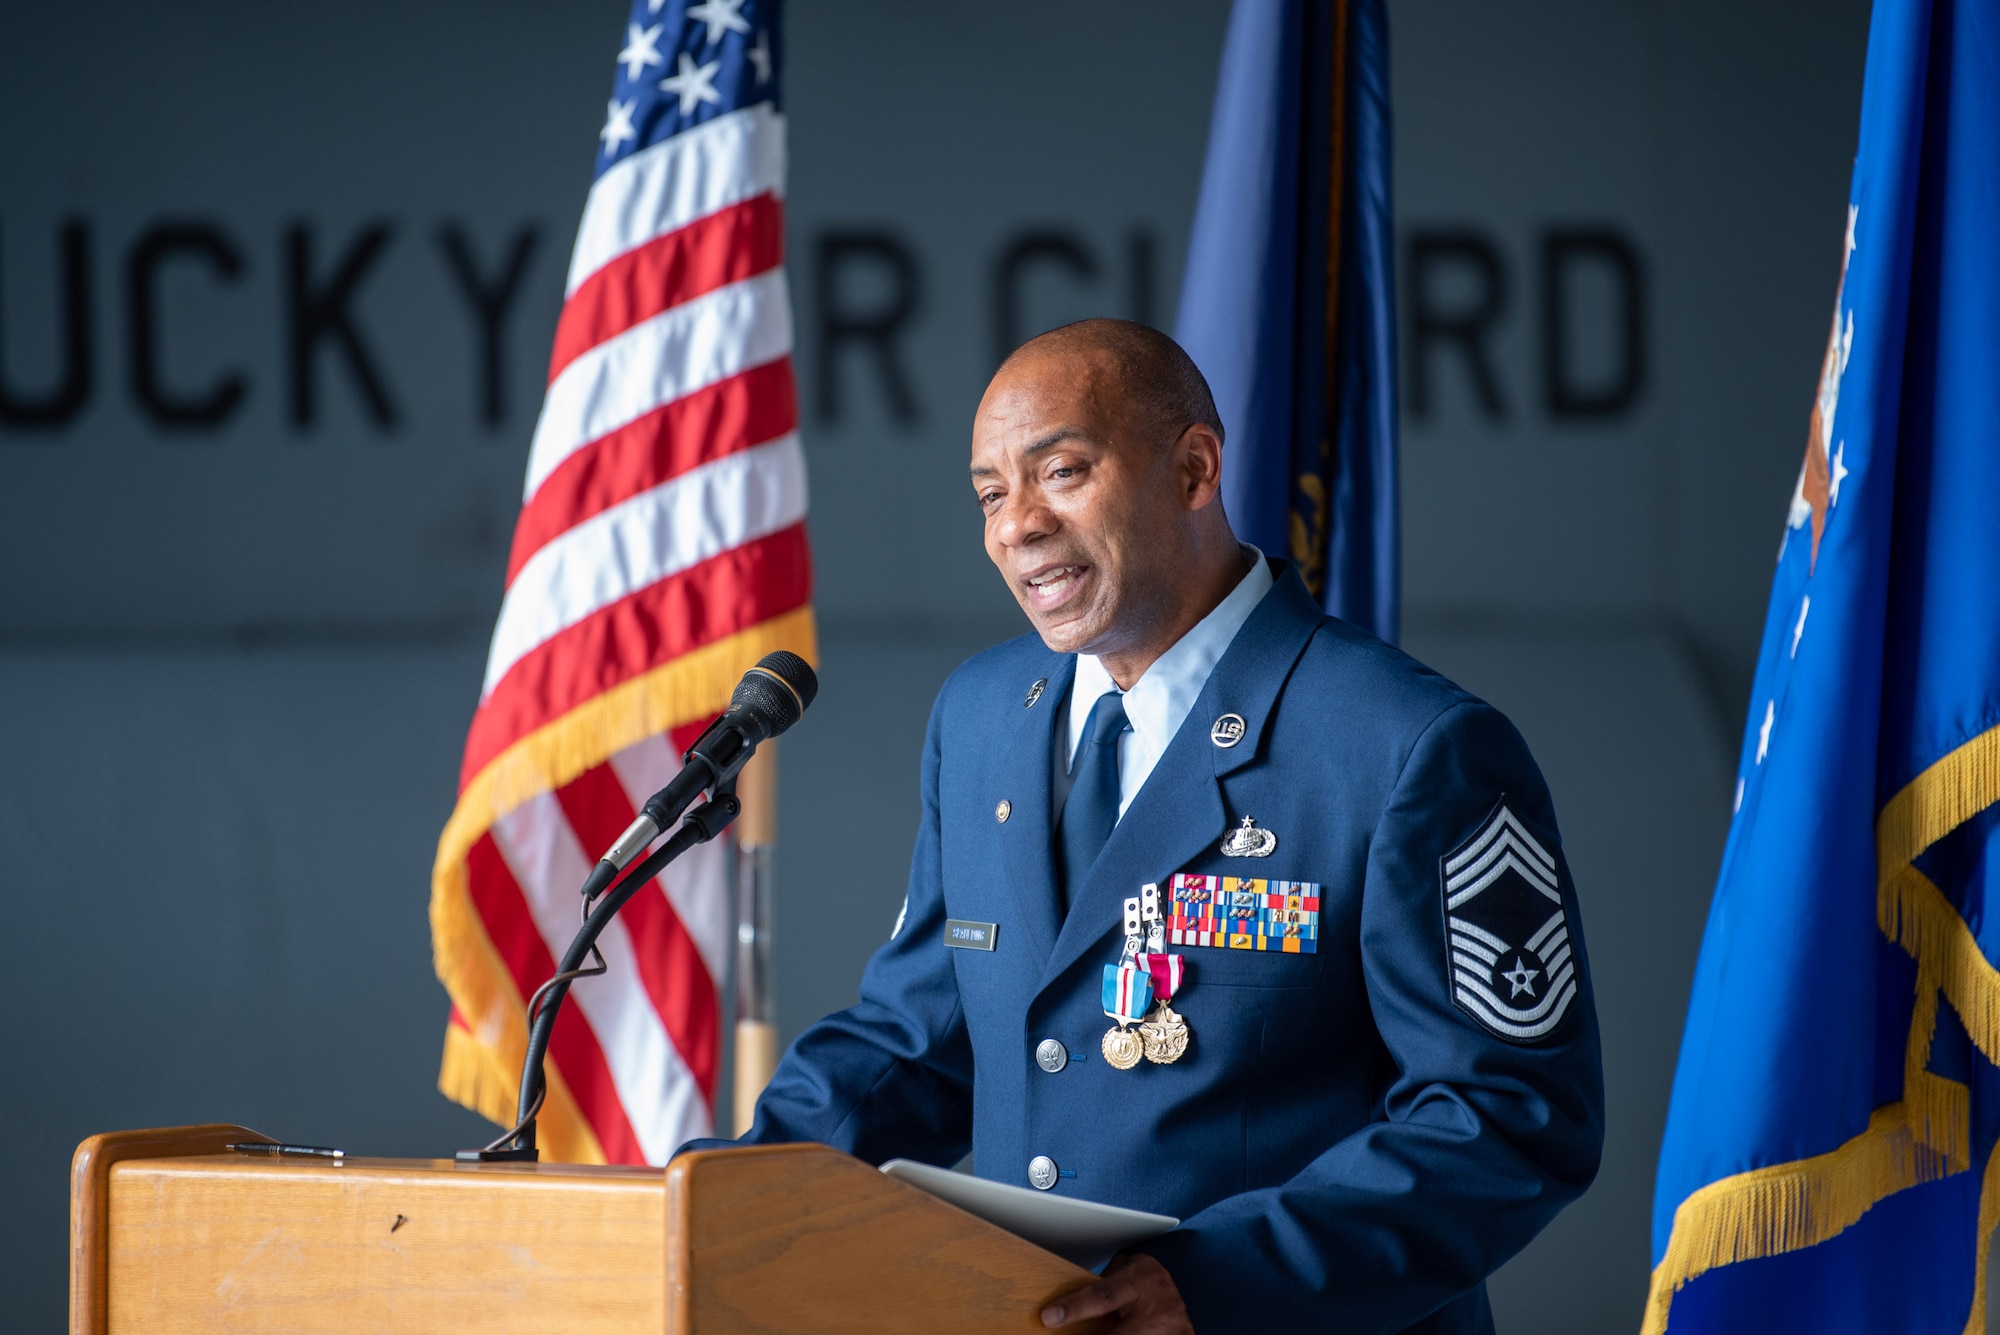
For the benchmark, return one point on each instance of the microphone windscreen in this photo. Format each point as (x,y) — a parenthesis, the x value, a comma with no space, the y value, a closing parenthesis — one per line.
(776,691)
(797,674)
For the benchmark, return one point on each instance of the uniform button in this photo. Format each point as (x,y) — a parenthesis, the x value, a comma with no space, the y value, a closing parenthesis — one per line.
(1003,811)
(1051,1055)
(1041,1172)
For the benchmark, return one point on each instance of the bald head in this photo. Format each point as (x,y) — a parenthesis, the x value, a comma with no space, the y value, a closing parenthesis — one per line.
(1158,380)
(1097,462)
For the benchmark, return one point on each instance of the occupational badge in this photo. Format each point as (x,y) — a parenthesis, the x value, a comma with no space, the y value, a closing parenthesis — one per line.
(1128,995)
(1509,961)
(1247,841)
(1034,693)
(1164,1035)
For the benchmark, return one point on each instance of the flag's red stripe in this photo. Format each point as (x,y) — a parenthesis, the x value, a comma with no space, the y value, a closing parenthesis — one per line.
(760,404)
(670,968)
(511,928)
(725,247)
(730,592)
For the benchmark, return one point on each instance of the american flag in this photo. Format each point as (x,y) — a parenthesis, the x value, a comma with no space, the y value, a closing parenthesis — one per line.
(660,551)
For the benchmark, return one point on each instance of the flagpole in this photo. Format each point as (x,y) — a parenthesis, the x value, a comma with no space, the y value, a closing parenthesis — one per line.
(756,1004)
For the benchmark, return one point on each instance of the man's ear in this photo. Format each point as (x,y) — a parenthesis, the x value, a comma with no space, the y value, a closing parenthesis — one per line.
(1198,459)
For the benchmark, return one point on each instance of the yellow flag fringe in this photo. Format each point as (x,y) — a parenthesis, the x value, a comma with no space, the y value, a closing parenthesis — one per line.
(1924,1136)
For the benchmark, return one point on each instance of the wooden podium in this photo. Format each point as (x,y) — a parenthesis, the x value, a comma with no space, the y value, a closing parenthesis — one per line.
(170,1232)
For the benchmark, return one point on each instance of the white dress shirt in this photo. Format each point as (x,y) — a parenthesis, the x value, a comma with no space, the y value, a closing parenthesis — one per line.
(1159,701)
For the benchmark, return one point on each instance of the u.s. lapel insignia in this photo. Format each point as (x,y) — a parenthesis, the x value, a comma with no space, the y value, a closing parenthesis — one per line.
(1228,730)
(1035,693)
(1247,841)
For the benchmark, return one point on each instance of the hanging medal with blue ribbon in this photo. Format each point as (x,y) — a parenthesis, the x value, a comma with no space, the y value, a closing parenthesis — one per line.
(1128,995)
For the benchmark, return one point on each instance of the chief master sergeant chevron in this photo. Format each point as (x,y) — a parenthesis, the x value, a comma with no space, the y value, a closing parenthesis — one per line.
(1390,1077)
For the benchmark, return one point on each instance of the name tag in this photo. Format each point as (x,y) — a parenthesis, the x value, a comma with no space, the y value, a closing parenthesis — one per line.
(962,935)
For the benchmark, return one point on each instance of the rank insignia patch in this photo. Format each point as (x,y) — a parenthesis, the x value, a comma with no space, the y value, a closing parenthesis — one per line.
(1510,964)
(1235,913)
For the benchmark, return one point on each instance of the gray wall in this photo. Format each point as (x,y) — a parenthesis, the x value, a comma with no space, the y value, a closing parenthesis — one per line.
(237,659)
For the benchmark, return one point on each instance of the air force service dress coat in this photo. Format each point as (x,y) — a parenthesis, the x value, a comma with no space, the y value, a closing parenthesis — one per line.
(1356,1137)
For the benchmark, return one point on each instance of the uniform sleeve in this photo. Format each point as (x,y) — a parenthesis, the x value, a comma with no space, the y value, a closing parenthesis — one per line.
(1481,1137)
(890,1076)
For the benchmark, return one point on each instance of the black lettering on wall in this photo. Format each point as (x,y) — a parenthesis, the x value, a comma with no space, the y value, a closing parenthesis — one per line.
(489,300)
(1141,276)
(192,241)
(62,403)
(1564,251)
(1016,258)
(1463,327)
(318,311)
(840,257)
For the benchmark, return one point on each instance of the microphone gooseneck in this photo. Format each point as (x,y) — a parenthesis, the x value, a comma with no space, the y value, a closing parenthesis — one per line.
(772,696)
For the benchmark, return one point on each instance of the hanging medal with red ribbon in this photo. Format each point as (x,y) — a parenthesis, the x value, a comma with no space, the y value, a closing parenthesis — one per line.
(1163,1036)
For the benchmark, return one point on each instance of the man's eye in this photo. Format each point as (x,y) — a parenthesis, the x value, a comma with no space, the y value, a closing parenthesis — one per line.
(1062,471)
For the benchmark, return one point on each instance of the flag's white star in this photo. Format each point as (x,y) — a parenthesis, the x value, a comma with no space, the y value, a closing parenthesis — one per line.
(1764,733)
(1804,605)
(1838,472)
(618,124)
(1739,797)
(642,48)
(653,6)
(692,83)
(1521,978)
(1846,342)
(721,16)
(1852,213)
(760,57)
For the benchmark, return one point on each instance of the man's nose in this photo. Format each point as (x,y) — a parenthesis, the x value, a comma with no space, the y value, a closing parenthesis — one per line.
(1024,519)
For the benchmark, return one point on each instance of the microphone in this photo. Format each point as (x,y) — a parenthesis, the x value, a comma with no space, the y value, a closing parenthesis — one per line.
(771,698)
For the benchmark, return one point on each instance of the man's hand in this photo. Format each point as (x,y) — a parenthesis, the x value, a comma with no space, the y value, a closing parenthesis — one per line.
(1138,1289)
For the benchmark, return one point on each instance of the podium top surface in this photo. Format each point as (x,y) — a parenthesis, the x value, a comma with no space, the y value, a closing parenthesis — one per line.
(362,1166)
(173,1235)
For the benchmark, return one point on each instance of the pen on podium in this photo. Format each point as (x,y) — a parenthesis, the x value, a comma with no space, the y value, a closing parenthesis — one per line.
(274,1149)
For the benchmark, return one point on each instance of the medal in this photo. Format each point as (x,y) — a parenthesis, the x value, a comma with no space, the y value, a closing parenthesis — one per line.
(1128,992)
(1163,1037)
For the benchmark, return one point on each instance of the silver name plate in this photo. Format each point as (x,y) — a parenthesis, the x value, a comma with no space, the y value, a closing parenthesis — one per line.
(962,935)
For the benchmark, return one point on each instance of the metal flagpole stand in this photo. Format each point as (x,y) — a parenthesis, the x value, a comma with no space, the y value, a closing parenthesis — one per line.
(756,1004)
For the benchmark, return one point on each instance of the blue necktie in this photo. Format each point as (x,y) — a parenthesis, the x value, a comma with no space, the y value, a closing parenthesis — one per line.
(1092,809)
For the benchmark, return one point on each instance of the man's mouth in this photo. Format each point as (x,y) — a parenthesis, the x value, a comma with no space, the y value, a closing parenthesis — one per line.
(1052,587)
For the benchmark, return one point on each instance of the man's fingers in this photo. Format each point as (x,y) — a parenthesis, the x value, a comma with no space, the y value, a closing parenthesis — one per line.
(1106,1295)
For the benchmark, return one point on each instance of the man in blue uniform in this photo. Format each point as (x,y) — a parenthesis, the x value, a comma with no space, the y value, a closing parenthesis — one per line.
(1220,907)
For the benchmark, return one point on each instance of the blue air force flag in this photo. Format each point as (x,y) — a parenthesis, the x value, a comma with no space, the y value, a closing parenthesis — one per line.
(1829,1157)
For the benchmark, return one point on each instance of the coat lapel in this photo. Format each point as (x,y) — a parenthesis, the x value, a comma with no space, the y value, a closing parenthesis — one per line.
(1180,810)
(1025,766)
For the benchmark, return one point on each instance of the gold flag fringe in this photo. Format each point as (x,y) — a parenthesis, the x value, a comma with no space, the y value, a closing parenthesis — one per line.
(1785,1207)
(1945,796)
(481,1064)
(1924,1136)
(471,1076)
(1989,1217)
